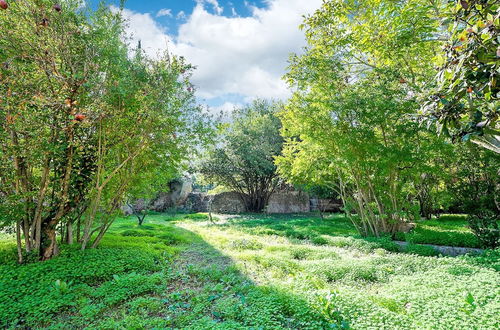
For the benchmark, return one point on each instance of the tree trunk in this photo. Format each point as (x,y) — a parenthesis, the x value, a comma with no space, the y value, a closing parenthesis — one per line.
(19,242)
(322,217)
(48,243)
(69,233)
(141,219)
(256,203)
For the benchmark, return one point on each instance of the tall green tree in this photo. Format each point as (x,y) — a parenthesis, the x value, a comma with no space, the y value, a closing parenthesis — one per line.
(243,159)
(80,119)
(349,122)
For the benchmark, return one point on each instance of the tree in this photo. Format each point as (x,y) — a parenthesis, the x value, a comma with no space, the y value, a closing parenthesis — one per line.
(349,123)
(139,208)
(244,159)
(474,180)
(81,120)
(466,102)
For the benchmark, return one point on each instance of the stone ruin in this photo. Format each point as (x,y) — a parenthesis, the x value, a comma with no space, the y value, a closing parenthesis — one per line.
(176,197)
(289,202)
(181,196)
(227,202)
(326,205)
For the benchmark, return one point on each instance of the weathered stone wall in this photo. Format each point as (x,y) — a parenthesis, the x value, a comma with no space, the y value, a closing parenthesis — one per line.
(227,202)
(196,202)
(326,205)
(177,196)
(161,202)
(179,191)
(284,201)
(288,202)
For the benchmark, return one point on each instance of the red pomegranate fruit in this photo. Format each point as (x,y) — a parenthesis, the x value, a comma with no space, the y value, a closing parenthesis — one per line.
(80,117)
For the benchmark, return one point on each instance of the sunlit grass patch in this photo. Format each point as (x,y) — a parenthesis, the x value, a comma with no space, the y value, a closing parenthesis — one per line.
(198,275)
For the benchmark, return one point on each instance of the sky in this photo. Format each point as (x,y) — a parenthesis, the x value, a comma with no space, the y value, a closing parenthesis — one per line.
(240,48)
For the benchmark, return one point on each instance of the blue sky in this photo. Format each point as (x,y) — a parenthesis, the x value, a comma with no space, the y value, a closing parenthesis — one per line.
(174,7)
(240,48)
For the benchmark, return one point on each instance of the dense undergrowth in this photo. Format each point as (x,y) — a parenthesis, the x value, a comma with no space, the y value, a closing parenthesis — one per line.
(181,271)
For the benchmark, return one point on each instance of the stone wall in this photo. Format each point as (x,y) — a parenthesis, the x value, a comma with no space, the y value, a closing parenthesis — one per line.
(197,202)
(227,202)
(280,202)
(285,201)
(177,196)
(288,202)
(326,205)
(179,191)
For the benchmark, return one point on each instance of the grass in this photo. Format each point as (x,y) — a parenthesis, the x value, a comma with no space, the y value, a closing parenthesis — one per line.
(451,230)
(249,272)
(447,230)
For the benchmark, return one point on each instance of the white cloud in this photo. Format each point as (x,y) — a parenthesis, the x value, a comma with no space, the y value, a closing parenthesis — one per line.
(164,12)
(244,56)
(143,27)
(222,112)
(215,4)
(181,15)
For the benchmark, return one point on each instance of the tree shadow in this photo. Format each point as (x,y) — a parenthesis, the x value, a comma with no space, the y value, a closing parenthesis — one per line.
(210,291)
(303,225)
(335,229)
(133,280)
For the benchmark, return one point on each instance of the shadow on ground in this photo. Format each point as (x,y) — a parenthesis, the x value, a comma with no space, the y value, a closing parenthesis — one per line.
(152,276)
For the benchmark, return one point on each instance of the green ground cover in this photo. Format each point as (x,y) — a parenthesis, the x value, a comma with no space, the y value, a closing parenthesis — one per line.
(250,272)
(446,230)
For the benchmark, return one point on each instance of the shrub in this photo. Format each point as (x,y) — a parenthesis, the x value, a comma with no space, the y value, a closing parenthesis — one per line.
(484,225)
(320,240)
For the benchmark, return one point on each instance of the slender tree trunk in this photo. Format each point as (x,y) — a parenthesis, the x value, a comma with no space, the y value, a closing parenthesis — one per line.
(63,234)
(90,220)
(69,233)
(141,219)
(78,225)
(320,209)
(37,222)
(103,231)
(19,242)
(26,231)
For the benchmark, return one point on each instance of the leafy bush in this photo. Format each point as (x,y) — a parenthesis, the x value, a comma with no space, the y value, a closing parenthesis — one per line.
(490,258)
(485,226)
(300,252)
